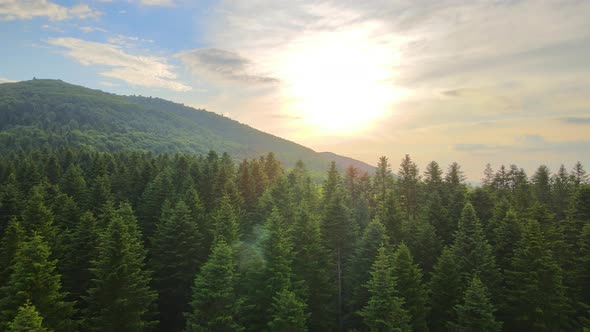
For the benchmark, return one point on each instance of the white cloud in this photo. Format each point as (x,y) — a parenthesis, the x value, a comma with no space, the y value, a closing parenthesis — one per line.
(159,3)
(88,29)
(29,9)
(52,28)
(127,41)
(142,70)
(6,80)
(221,64)
(109,84)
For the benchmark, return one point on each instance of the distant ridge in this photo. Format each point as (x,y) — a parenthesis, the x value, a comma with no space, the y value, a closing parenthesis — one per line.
(343,160)
(53,113)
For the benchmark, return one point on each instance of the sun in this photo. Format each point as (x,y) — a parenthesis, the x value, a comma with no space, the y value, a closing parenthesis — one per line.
(339,82)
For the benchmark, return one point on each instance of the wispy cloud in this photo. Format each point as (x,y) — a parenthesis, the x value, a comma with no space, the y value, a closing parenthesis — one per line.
(88,29)
(128,41)
(109,84)
(52,28)
(526,144)
(135,69)
(576,120)
(26,10)
(222,64)
(159,3)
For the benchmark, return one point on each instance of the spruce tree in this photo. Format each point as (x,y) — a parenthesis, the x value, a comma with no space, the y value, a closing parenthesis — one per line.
(578,175)
(542,185)
(384,311)
(477,312)
(374,237)
(391,215)
(278,251)
(27,320)
(288,313)
(37,217)
(383,180)
(535,294)
(438,216)
(311,267)
(74,184)
(410,288)
(433,177)
(215,304)
(426,245)
(582,277)
(82,246)
(34,278)
(472,251)
(100,194)
(338,235)
(11,201)
(563,189)
(409,179)
(446,286)
(506,235)
(120,298)
(224,222)
(175,260)
(8,246)
(332,184)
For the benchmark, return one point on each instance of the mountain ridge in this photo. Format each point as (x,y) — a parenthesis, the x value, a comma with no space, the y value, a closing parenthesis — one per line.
(53,113)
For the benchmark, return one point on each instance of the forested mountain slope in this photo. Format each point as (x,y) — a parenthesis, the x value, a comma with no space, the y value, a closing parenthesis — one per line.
(52,113)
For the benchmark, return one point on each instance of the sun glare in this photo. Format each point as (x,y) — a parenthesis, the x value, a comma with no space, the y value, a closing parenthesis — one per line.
(339,82)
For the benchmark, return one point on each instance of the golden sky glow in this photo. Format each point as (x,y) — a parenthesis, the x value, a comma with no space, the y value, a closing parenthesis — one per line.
(467,81)
(338,82)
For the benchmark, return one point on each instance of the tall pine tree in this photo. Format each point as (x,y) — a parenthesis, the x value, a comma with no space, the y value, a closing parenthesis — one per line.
(120,298)
(384,311)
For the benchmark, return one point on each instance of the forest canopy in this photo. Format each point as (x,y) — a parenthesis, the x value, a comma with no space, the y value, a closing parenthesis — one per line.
(134,241)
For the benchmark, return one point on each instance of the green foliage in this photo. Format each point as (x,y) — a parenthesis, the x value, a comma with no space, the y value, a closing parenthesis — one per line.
(27,320)
(446,288)
(384,311)
(81,249)
(374,237)
(120,298)
(410,288)
(215,304)
(288,313)
(298,256)
(536,295)
(408,186)
(278,252)
(9,244)
(312,269)
(34,278)
(472,251)
(54,114)
(225,222)
(175,261)
(37,217)
(477,312)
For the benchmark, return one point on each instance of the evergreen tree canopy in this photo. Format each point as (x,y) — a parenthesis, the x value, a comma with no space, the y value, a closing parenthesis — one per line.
(34,279)
(384,311)
(120,298)
(477,312)
(215,304)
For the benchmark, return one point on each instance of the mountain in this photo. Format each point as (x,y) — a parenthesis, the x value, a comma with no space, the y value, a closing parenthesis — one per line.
(55,114)
(343,160)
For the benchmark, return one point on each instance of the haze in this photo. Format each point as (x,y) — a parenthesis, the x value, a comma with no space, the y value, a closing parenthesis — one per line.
(472,81)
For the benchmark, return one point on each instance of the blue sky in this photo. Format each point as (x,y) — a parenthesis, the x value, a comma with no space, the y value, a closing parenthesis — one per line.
(469,81)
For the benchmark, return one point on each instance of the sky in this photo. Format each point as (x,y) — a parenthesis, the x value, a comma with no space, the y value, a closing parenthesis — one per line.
(477,82)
